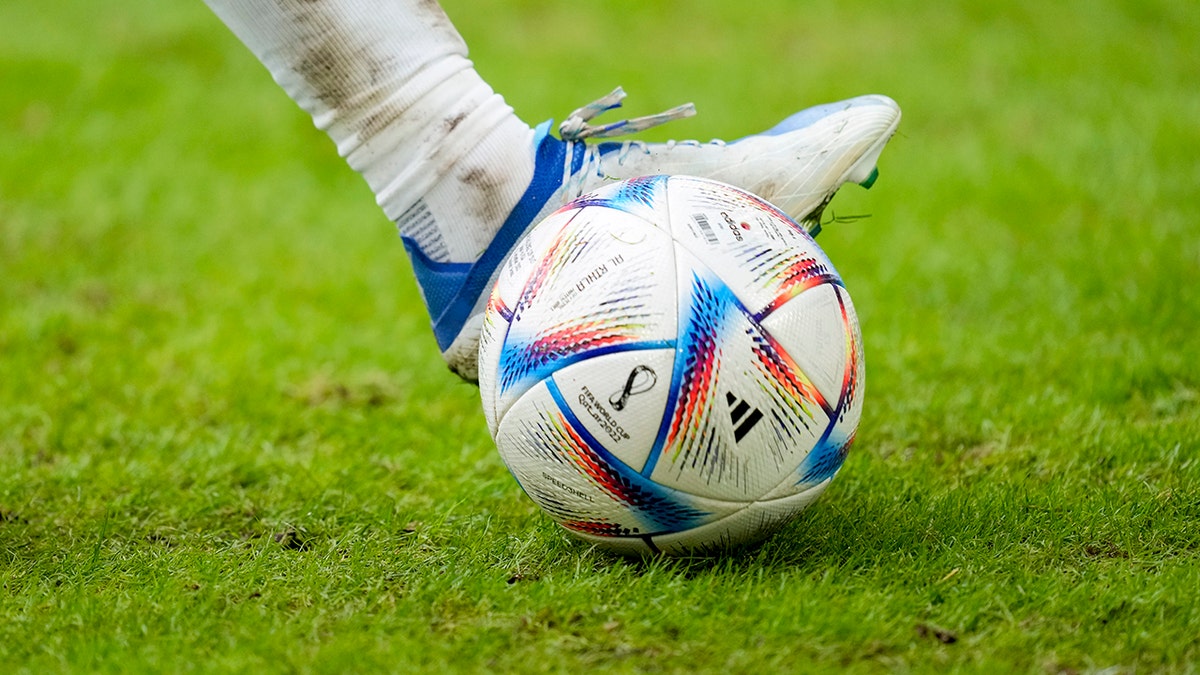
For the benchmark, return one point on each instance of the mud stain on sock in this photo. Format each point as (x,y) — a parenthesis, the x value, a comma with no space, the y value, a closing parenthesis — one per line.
(454,120)
(339,67)
(380,119)
(436,16)
(350,72)
(485,186)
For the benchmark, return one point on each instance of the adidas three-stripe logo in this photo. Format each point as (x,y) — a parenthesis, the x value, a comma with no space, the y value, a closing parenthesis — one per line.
(738,413)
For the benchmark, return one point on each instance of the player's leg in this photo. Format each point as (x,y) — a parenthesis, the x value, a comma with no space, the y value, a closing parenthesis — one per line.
(463,177)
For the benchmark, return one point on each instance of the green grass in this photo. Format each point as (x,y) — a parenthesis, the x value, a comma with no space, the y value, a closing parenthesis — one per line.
(227,441)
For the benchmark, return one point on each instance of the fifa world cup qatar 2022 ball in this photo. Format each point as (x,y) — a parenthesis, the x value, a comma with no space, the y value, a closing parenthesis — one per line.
(671,365)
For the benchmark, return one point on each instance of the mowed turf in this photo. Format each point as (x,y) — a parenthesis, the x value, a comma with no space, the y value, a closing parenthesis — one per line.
(227,441)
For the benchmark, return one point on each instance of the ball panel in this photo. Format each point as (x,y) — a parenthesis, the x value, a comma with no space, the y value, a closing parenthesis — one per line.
(511,280)
(602,284)
(748,525)
(750,245)
(627,546)
(811,330)
(846,384)
(583,486)
(743,416)
(527,255)
(827,457)
(644,197)
(620,399)
(495,327)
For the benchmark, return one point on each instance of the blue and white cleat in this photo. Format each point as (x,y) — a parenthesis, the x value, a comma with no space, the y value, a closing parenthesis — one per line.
(797,165)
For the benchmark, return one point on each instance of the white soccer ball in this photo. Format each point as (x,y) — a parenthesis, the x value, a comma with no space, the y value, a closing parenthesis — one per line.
(671,364)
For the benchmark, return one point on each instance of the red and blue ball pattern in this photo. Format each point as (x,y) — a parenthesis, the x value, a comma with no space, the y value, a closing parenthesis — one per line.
(749,333)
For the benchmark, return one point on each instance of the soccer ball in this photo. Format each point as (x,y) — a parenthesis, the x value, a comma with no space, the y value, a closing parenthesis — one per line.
(671,365)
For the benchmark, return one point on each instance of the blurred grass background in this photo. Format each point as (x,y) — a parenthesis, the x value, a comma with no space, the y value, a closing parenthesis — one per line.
(227,441)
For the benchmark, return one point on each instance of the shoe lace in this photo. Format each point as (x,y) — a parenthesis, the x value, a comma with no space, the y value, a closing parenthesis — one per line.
(576,128)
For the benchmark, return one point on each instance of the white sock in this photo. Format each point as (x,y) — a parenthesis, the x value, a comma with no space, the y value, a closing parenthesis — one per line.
(389,81)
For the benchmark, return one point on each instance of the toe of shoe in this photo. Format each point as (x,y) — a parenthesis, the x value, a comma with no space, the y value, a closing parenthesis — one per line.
(872,105)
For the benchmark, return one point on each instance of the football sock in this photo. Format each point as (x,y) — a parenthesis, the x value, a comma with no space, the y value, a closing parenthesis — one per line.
(390,83)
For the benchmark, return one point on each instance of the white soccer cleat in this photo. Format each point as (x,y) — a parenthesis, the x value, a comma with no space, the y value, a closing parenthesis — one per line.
(797,165)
